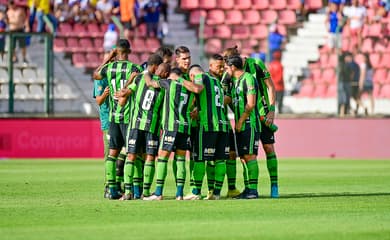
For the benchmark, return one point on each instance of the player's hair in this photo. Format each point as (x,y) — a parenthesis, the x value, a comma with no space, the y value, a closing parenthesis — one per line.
(235,60)
(124,46)
(197,67)
(177,71)
(181,49)
(230,52)
(166,67)
(155,59)
(216,57)
(164,51)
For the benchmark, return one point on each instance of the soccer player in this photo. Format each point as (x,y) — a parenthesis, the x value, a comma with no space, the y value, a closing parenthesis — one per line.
(183,62)
(166,53)
(213,131)
(143,132)
(118,71)
(176,130)
(247,123)
(267,108)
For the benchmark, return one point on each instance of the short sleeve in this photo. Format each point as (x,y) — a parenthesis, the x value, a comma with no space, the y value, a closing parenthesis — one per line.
(99,86)
(250,84)
(199,79)
(103,71)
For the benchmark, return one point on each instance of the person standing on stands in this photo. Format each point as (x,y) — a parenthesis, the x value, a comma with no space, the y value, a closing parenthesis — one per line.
(276,70)
(129,21)
(275,40)
(334,19)
(152,16)
(366,83)
(18,23)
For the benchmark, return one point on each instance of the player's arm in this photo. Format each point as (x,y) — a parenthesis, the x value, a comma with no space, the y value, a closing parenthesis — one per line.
(150,82)
(193,87)
(101,98)
(98,74)
(271,97)
(250,105)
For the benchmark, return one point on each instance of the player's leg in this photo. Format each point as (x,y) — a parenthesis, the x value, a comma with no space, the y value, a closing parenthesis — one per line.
(166,146)
(182,145)
(231,169)
(194,153)
(120,164)
(199,167)
(106,146)
(268,139)
(248,143)
(210,174)
(221,155)
(116,143)
(134,141)
(149,169)
(138,175)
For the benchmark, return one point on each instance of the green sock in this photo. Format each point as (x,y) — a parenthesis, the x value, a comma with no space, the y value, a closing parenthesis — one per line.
(110,171)
(253,173)
(199,171)
(272,165)
(148,177)
(128,176)
(138,175)
(181,174)
(231,171)
(192,183)
(162,166)
(120,163)
(220,171)
(245,174)
(210,172)
(174,167)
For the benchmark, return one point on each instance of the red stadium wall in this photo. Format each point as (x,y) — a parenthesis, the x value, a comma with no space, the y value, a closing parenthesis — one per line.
(81,138)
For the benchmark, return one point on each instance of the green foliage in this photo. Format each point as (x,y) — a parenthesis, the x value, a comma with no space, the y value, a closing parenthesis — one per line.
(320,199)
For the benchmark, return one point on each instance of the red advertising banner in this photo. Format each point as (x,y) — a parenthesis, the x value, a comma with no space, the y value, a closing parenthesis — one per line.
(82,138)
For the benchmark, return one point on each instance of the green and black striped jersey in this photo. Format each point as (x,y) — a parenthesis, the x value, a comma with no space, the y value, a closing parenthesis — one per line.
(210,103)
(117,74)
(177,106)
(257,68)
(242,87)
(146,105)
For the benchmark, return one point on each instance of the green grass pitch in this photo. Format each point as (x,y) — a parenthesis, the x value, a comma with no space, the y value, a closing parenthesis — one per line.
(320,199)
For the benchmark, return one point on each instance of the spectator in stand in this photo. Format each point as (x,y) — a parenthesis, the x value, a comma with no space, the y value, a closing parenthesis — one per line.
(111,38)
(275,68)
(126,8)
(366,84)
(354,76)
(356,17)
(344,87)
(18,23)
(258,54)
(104,10)
(334,20)
(44,8)
(152,17)
(3,28)
(275,40)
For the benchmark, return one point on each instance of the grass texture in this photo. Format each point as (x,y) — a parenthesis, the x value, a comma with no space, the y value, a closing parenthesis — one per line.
(319,199)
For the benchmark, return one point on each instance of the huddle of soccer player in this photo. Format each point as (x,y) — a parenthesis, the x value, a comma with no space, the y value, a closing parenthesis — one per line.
(163,109)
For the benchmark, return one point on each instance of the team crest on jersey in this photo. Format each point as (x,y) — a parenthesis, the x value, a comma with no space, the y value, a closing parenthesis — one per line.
(100,88)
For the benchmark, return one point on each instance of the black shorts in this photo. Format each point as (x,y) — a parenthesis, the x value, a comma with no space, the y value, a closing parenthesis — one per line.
(117,133)
(355,92)
(266,135)
(127,25)
(21,40)
(194,141)
(140,141)
(171,141)
(248,142)
(213,145)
